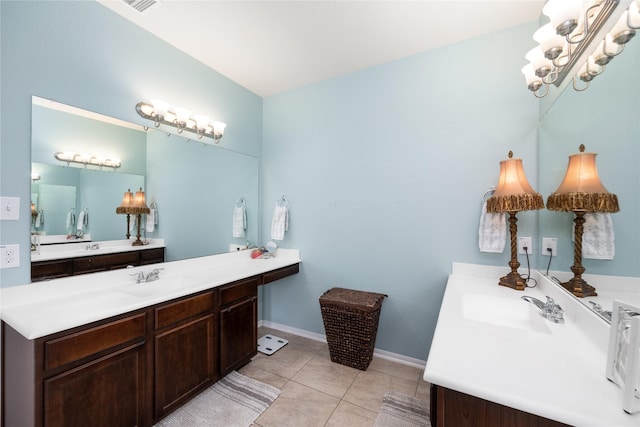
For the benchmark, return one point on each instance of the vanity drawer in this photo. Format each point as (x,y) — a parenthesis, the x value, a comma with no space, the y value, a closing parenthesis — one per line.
(67,349)
(278,274)
(105,262)
(43,270)
(151,256)
(186,308)
(239,290)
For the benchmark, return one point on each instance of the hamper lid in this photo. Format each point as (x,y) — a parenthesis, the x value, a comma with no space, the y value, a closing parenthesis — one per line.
(351,297)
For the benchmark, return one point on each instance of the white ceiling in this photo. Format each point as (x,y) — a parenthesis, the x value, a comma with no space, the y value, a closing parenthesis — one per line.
(270,47)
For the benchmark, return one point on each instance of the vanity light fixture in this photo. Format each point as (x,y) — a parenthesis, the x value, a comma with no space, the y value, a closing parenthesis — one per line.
(87,160)
(160,112)
(581,38)
(133,205)
(513,194)
(580,192)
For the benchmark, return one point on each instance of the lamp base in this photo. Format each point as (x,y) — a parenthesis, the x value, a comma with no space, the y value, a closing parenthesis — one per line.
(513,280)
(137,242)
(580,288)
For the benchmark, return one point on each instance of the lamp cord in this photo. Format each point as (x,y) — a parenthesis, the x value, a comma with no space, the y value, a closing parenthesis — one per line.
(550,256)
(529,278)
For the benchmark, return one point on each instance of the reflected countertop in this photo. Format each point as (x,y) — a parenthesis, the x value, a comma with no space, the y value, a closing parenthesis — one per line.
(39,309)
(556,373)
(79,249)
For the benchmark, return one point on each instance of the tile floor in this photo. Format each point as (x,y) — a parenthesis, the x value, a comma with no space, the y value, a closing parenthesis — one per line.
(318,392)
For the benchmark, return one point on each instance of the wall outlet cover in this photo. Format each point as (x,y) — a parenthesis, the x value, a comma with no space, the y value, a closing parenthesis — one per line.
(525,241)
(9,256)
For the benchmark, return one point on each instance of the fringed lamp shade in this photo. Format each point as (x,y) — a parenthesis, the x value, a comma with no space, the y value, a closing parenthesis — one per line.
(127,203)
(133,205)
(580,192)
(581,189)
(513,194)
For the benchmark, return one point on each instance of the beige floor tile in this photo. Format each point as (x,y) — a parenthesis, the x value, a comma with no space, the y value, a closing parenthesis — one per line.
(320,373)
(369,387)
(348,414)
(252,371)
(286,362)
(424,390)
(395,369)
(299,405)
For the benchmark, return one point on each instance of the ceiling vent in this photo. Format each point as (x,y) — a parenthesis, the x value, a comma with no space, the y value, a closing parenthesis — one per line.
(143,6)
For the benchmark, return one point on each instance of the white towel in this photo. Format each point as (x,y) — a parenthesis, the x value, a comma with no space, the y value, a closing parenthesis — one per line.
(239,221)
(83,219)
(492,232)
(71,220)
(598,240)
(280,222)
(152,220)
(133,221)
(40,219)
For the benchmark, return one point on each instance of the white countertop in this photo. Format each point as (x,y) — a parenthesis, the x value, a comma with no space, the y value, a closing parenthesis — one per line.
(43,308)
(79,249)
(558,373)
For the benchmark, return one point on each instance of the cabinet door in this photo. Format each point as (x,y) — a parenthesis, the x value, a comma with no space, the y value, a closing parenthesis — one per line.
(104,393)
(238,334)
(184,358)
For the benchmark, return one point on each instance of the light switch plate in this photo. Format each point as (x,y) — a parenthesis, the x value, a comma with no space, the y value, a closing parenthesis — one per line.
(9,208)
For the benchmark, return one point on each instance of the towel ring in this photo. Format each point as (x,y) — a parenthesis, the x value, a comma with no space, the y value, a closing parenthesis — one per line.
(489,191)
(282,201)
(240,202)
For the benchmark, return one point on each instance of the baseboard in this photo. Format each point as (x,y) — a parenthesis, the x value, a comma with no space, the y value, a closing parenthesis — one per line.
(383,354)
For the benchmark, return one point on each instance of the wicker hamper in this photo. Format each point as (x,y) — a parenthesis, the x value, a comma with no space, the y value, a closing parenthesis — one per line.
(351,323)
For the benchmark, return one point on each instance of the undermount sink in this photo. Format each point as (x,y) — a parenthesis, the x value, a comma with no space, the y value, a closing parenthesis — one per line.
(505,312)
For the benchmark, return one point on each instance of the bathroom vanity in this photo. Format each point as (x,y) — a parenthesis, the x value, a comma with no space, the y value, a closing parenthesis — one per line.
(495,361)
(105,350)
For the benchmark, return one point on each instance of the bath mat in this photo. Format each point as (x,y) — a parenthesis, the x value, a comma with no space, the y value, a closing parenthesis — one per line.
(234,401)
(269,344)
(401,410)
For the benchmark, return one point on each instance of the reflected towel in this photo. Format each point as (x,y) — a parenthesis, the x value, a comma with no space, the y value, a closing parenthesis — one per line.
(83,219)
(71,220)
(40,219)
(239,221)
(152,220)
(280,222)
(492,232)
(133,221)
(598,240)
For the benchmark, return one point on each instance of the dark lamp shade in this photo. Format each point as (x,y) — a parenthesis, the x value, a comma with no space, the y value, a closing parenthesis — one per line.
(513,192)
(581,189)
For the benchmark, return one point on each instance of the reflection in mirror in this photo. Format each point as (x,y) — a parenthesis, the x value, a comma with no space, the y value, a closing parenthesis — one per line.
(606,119)
(194,187)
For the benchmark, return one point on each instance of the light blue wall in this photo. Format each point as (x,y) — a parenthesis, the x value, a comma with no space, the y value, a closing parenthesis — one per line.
(85,55)
(384,170)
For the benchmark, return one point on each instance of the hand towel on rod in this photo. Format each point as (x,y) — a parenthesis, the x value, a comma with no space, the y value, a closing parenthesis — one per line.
(492,232)
(83,219)
(239,221)
(40,219)
(280,222)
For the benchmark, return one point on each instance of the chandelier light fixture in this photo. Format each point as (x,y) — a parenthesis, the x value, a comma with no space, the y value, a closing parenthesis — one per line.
(582,37)
(87,160)
(160,112)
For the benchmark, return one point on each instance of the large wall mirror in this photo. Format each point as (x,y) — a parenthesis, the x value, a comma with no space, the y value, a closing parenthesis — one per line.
(194,186)
(606,119)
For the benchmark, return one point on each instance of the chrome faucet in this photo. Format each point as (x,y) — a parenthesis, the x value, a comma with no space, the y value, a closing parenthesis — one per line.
(550,310)
(153,275)
(93,246)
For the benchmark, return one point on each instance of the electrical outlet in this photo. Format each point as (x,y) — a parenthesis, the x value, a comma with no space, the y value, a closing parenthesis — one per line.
(9,256)
(549,243)
(522,242)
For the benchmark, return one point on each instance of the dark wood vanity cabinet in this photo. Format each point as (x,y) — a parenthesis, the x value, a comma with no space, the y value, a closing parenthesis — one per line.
(184,350)
(238,323)
(45,270)
(455,409)
(92,375)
